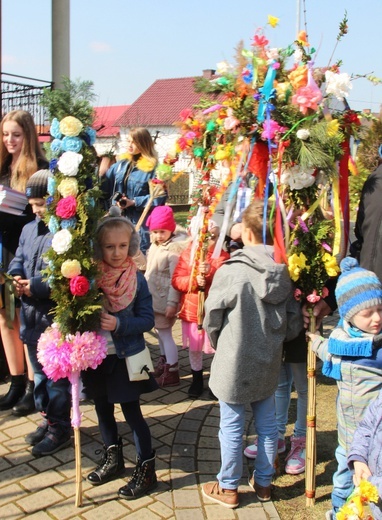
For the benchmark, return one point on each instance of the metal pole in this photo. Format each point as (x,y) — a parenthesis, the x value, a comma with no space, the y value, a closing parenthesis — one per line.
(298,17)
(60,41)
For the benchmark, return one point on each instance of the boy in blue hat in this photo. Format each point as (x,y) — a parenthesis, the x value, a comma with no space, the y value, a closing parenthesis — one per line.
(353,356)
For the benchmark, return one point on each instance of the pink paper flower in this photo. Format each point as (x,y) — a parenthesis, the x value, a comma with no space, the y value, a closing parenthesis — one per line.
(88,350)
(308,97)
(271,128)
(79,285)
(313,297)
(67,207)
(53,352)
(297,294)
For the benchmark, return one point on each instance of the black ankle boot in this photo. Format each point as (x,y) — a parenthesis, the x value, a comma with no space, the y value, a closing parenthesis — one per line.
(111,465)
(142,480)
(15,392)
(26,404)
(196,388)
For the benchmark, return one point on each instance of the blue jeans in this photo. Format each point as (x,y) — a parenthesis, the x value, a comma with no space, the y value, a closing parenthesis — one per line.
(289,373)
(232,422)
(342,480)
(53,398)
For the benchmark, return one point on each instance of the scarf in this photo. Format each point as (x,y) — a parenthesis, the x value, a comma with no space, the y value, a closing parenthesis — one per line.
(143,163)
(119,284)
(347,340)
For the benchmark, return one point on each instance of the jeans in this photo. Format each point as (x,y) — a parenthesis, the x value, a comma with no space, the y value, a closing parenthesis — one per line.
(53,398)
(342,480)
(289,373)
(232,422)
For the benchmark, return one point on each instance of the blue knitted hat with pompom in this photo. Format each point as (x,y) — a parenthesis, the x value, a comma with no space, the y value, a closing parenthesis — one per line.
(357,289)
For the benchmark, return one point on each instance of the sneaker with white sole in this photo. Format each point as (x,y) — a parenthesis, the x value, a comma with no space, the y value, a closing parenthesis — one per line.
(251,451)
(295,460)
(329,515)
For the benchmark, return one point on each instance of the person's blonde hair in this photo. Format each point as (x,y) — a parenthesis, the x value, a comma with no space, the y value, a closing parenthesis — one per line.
(107,223)
(31,151)
(144,142)
(253,218)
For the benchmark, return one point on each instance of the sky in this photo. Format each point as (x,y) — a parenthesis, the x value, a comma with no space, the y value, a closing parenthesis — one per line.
(123,46)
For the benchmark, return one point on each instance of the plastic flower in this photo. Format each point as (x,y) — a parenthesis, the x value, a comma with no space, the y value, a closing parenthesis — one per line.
(273,20)
(71,268)
(338,84)
(68,186)
(71,126)
(296,263)
(66,207)
(331,266)
(69,163)
(79,285)
(55,129)
(62,241)
(72,144)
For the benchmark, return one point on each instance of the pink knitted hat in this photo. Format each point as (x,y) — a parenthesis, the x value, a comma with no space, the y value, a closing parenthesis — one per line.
(162,217)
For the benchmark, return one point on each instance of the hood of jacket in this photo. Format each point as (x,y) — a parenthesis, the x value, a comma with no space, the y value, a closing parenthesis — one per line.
(270,280)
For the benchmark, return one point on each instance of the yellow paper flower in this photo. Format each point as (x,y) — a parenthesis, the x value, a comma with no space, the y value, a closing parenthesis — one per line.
(368,491)
(70,268)
(273,20)
(71,126)
(333,127)
(296,263)
(68,187)
(299,77)
(281,90)
(331,266)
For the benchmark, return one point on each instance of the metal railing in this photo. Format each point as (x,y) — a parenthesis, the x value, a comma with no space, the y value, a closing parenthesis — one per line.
(24,93)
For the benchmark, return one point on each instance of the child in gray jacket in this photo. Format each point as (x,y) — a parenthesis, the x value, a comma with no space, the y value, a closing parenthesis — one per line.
(250,312)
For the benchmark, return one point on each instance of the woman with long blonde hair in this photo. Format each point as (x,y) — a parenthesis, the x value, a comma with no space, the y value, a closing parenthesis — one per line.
(20,157)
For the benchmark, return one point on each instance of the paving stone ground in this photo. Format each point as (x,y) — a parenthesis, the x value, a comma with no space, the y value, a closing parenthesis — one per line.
(185,436)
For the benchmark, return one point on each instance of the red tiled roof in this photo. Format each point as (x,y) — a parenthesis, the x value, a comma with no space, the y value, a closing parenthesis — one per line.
(105,118)
(161,103)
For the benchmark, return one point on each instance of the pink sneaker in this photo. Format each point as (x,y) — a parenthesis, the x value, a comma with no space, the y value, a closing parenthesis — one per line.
(295,460)
(251,451)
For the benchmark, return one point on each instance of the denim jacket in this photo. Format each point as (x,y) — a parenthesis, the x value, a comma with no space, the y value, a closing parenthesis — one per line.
(133,321)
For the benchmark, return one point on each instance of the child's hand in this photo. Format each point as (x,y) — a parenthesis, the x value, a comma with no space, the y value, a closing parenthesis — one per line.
(108,322)
(204,268)
(361,472)
(170,311)
(320,310)
(201,280)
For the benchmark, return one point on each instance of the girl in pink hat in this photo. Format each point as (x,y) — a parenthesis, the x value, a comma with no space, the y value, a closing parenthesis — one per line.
(167,243)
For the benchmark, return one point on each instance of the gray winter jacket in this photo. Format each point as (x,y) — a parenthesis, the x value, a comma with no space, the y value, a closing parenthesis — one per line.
(249,312)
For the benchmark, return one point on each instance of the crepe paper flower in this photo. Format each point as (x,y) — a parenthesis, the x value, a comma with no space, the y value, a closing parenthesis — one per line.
(70,268)
(308,97)
(333,128)
(55,129)
(56,146)
(273,21)
(71,126)
(164,172)
(53,352)
(326,246)
(231,122)
(325,292)
(68,223)
(72,144)
(297,294)
(259,40)
(68,186)
(303,226)
(299,77)
(303,39)
(211,125)
(338,85)
(223,67)
(199,151)
(53,164)
(282,90)
(88,350)
(185,114)
(296,263)
(313,297)
(298,55)
(297,179)
(79,285)
(190,135)
(354,508)
(69,163)
(303,134)
(92,135)
(271,128)
(66,207)
(53,225)
(213,108)
(331,265)
(52,183)
(247,74)
(273,54)
(62,241)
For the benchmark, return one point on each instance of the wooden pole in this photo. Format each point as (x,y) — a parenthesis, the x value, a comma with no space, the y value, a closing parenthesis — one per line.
(310,463)
(201,292)
(77,449)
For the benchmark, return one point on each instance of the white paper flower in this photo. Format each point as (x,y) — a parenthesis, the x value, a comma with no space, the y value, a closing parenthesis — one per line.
(338,84)
(223,67)
(62,241)
(297,179)
(303,134)
(69,162)
(273,54)
(297,55)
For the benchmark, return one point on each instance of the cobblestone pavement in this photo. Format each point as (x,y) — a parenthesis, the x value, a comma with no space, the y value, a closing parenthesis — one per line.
(185,436)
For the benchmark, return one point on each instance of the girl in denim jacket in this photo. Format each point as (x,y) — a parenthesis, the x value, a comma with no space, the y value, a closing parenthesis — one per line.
(128,314)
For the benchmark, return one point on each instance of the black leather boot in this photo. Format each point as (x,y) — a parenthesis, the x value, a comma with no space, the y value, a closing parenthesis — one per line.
(142,480)
(15,392)
(26,404)
(111,465)
(196,388)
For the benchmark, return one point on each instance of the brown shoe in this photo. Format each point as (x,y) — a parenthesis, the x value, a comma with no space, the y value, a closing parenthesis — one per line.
(170,376)
(159,369)
(263,493)
(225,497)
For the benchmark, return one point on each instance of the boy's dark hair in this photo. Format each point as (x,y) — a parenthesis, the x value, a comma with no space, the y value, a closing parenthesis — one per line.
(253,217)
